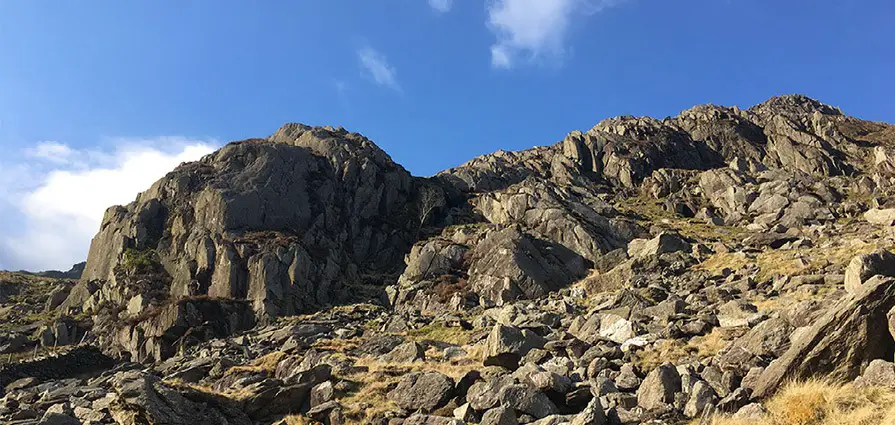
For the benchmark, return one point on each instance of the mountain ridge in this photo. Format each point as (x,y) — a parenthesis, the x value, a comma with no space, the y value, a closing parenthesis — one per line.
(642,271)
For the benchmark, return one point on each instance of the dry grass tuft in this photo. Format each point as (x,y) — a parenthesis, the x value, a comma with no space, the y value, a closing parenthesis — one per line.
(375,379)
(438,332)
(792,262)
(267,363)
(820,402)
(678,352)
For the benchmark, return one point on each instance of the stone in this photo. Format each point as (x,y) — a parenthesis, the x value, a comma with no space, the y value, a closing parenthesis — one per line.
(616,329)
(550,381)
(499,416)
(842,343)
(863,267)
(661,244)
(753,411)
(510,265)
(407,352)
(322,393)
(143,398)
(701,395)
(484,395)
(882,217)
(659,388)
(50,418)
(879,373)
(527,400)
(627,379)
(423,391)
(506,345)
(465,413)
(431,420)
(591,415)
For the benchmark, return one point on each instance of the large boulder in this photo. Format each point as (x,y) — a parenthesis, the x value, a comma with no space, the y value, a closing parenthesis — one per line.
(659,388)
(510,264)
(423,391)
(842,343)
(527,400)
(863,267)
(880,216)
(506,345)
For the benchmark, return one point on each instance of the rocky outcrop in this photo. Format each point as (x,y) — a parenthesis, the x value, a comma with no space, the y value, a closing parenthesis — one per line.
(842,343)
(159,333)
(285,222)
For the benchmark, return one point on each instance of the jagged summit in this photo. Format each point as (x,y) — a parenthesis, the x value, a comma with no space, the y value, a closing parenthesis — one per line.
(794,104)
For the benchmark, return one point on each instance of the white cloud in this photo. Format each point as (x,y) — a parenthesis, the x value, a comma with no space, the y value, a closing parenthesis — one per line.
(535,29)
(442,6)
(378,67)
(54,152)
(51,216)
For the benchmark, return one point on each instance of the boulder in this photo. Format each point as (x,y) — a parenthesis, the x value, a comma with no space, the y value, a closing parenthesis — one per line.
(423,391)
(591,415)
(659,388)
(661,244)
(527,400)
(863,267)
(431,420)
(506,345)
(484,395)
(882,217)
(499,416)
(407,352)
(701,395)
(879,373)
(842,343)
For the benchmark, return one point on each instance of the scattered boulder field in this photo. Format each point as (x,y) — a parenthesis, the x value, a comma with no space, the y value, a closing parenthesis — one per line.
(717,267)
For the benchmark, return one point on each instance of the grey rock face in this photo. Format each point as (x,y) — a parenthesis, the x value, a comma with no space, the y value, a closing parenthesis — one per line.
(510,265)
(425,391)
(283,222)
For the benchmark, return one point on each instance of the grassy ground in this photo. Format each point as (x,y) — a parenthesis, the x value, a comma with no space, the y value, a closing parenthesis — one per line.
(818,402)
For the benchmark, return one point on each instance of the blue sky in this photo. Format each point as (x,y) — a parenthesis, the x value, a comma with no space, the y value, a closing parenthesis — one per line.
(84,85)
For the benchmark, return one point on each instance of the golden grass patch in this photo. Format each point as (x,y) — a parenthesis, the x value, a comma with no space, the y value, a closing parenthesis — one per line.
(438,332)
(678,352)
(266,363)
(789,262)
(821,402)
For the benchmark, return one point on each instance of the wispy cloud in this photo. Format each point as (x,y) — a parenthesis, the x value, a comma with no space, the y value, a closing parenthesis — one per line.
(442,6)
(378,68)
(535,30)
(51,215)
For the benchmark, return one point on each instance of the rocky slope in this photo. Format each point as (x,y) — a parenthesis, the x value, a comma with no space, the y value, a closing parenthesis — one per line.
(646,270)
